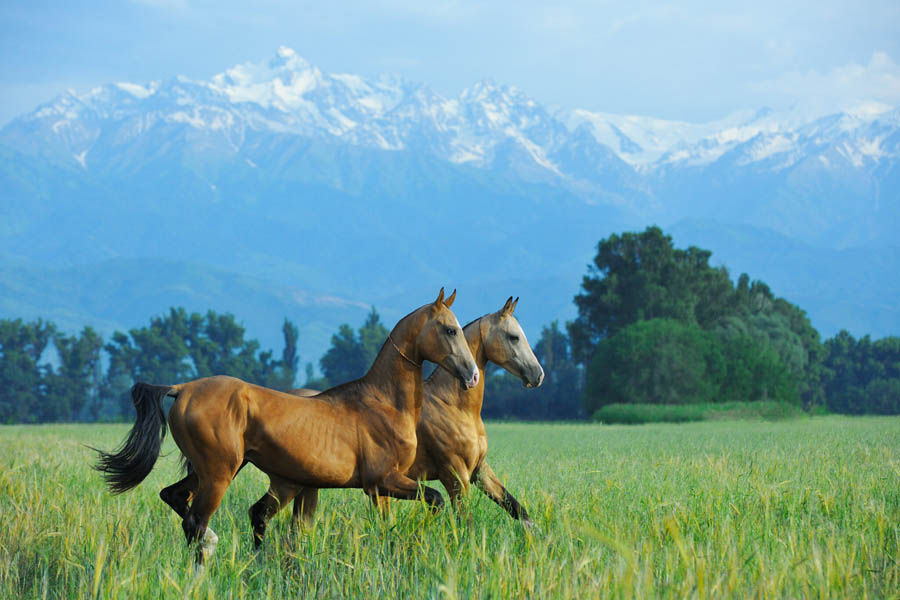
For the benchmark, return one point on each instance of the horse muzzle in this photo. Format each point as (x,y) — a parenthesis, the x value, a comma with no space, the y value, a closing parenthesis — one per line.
(534,380)
(472,381)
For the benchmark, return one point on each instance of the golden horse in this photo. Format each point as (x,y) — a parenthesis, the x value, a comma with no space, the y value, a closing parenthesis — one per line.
(360,434)
(452,442)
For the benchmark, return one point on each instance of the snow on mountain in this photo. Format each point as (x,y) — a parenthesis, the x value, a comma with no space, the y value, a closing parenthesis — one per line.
(487,125)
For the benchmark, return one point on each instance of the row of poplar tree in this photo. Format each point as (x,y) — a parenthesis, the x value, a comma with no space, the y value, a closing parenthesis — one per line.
(655,324)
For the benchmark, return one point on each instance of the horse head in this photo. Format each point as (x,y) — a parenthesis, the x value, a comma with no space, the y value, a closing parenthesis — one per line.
(440,339)
(505,344)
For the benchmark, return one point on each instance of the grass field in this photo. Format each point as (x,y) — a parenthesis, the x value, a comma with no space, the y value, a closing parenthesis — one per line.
(801,508)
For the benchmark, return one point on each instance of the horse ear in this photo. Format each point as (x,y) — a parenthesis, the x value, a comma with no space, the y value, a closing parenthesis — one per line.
(449,301)
(512,308)
(440,299)
(507,308)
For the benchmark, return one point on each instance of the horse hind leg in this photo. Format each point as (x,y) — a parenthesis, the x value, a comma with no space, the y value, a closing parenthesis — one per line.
(179,494)
(196,523)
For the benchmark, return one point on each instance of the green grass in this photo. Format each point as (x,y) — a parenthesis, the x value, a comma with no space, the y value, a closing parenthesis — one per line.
(798,508)
(639,414)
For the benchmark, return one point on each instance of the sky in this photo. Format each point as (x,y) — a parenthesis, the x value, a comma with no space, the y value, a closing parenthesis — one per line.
(687,60)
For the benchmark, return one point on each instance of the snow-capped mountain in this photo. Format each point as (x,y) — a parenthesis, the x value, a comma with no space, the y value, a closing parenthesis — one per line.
(616,158)
(271,168)
(288,95)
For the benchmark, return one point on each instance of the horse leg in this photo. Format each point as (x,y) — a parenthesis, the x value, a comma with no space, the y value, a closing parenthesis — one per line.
(487,482)
(381,503)
(396,485)
(196,523)
(280,492)
(305,506)
(456,482)
(178,495)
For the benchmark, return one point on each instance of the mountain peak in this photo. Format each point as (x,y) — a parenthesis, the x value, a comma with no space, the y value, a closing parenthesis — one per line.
(287,59)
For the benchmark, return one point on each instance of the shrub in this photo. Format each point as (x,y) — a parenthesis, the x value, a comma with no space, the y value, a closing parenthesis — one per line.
(637,414)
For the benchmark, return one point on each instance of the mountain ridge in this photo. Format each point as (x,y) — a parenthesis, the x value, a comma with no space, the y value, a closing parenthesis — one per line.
(372,189)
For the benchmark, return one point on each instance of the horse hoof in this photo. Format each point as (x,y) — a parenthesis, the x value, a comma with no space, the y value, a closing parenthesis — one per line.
(208,543)
(531,526)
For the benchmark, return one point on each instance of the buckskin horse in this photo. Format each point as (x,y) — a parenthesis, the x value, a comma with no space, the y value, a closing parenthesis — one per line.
(361,434)
(452,442)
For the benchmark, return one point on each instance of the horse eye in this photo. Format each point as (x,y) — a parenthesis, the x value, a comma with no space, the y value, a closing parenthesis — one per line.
(450,331)
(514,338)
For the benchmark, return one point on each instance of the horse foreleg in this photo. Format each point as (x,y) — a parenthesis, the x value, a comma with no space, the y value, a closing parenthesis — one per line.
(457,485)
(305,506)
(396,485)
(278,495)
(382,504)
(487,482)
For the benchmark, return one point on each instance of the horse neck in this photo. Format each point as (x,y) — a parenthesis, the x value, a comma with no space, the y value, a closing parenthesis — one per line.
(395,372)
(447,387)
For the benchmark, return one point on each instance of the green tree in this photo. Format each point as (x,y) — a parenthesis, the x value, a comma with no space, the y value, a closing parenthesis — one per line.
(352,354)
(642,276)
(372,336)
(72,389)
(659,361)
(862,376)
(22,378)
(663,361)
(290,359)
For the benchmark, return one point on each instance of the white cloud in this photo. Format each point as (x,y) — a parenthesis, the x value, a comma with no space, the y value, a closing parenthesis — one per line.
(879,81)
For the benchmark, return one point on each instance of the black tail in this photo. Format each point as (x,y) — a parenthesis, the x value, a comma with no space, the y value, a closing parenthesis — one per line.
(135,458)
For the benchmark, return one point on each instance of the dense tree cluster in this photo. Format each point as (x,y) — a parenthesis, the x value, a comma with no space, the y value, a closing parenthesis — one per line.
(175,347)
(862,376)
(656,325)
(660,325)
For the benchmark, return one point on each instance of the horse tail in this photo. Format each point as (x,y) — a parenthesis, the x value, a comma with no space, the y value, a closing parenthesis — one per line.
(134,459)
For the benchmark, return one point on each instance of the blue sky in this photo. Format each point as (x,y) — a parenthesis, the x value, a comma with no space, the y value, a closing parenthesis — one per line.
(688,60)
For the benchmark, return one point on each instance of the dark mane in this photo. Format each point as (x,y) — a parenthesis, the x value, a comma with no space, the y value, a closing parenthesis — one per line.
(466,326)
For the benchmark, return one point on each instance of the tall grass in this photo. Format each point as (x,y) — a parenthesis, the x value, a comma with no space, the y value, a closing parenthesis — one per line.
(799,508)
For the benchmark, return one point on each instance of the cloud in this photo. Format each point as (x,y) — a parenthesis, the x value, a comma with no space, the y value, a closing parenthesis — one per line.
(879,80)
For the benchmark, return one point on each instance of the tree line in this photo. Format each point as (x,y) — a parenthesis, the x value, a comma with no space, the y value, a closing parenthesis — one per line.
(655,324)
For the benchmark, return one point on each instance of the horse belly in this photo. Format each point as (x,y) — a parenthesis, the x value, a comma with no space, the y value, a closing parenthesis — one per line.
(310,455)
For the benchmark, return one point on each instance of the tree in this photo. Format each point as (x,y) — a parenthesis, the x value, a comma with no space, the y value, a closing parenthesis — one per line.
(658,361)
(638,277)
(862,376)
(290,359)
(663,361)
(372,336)
(351,355)
(642,276)
(72,388)
(22,378)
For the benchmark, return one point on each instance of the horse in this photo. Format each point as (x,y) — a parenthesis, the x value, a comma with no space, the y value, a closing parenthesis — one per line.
(361,434)
(452,442)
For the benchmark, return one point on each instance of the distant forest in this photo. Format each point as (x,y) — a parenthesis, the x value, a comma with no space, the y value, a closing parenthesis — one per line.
(655,325)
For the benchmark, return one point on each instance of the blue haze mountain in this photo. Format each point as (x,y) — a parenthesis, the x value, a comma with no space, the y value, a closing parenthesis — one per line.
(276,190)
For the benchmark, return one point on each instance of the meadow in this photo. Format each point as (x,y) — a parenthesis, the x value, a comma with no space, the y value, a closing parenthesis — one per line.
(808,507)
